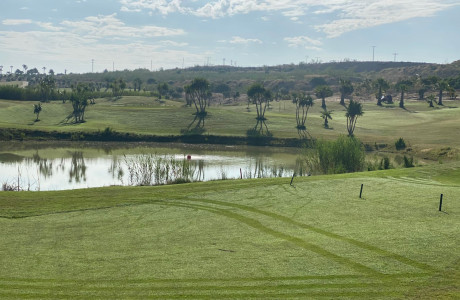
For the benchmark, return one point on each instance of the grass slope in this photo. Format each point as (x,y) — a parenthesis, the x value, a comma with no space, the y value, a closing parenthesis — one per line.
(238,239)
(419,125)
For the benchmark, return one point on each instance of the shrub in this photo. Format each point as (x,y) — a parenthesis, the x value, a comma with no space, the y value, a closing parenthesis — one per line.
(408,162)
(77,136)
(9,187)
(385,163)
(400,144)
(344,155)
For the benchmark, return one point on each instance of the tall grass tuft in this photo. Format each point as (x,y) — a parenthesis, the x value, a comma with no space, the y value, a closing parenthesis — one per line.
(153,169)
(344,155)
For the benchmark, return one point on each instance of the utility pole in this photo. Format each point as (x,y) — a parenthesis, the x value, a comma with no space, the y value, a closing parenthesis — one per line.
(92,66)
(183,62)
(151,65)
(373,53)
(223,60)
(113,66)
(395,56)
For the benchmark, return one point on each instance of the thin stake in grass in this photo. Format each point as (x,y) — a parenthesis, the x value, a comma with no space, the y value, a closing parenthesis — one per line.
(292,179)
(440,203)
(361,192)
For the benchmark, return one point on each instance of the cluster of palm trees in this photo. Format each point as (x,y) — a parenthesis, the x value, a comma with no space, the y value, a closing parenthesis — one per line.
(198,93)
(353,109)
(417,84)
(24,74)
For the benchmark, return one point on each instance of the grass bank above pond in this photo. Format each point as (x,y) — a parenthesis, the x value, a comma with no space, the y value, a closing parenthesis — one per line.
(421,127)
(238,239)
(108,135)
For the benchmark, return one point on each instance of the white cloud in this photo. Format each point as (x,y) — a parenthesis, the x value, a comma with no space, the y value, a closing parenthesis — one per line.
(365,14)
(240,40)
(48,26)
(127,9)
(294,13)
(346,15)
(14,22)
(168,43)
(110,26)
(304,42)
(75,51)
(164,7)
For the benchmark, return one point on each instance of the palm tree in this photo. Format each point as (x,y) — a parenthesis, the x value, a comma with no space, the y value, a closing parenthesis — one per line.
(354,110)
(430,100)
(44,70)
(200,94)
(260,96)
(441,86)
(303,104)
(346,89)
(326,115)
(403,86)
(452,94)
(163,89)
(25,68)
(381,85)
(322,92)
(137,84)
(423,85)
(1,70)
(37,110)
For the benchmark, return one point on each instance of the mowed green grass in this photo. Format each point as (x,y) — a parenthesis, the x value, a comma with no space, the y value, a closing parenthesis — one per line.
(238,239)
(420,126)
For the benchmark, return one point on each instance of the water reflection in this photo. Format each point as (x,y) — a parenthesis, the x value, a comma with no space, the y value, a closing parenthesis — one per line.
(115,170)
(82,169)
(45,166)
(199,165)
(77,170)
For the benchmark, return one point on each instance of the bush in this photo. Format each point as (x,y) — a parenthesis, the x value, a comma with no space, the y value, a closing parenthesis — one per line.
(9,187)
(400,144)
(77,136)
(385,163)
(344,155)
(408,162)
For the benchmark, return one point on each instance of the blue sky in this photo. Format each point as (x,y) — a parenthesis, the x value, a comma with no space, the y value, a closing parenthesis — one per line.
(130,34)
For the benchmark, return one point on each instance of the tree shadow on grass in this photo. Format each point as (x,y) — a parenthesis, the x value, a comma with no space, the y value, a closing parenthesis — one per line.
(195,127)
(259,131)
(304,134)
(70,120)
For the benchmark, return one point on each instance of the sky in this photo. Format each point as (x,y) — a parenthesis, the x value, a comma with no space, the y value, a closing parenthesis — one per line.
(80,36)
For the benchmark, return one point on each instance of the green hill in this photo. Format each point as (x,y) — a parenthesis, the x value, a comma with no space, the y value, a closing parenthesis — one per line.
(238,239)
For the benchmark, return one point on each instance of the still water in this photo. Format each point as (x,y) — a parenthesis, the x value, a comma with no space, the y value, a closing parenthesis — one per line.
(46,167)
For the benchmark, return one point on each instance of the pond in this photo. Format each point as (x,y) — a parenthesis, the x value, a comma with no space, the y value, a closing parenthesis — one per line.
(64,166)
